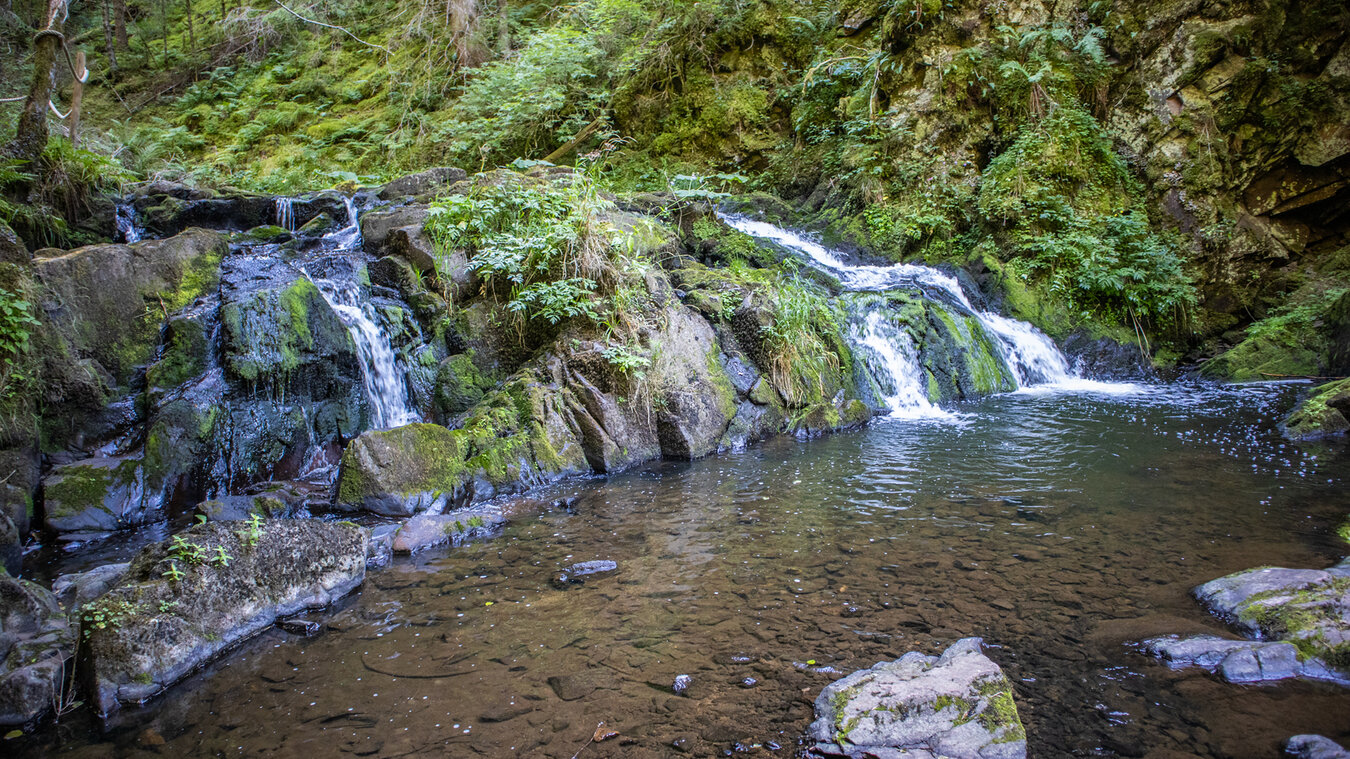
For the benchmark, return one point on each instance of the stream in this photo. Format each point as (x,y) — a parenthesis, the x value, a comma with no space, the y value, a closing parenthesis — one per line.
(1059,527)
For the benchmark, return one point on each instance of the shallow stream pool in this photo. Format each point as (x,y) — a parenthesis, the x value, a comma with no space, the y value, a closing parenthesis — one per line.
(1058,527)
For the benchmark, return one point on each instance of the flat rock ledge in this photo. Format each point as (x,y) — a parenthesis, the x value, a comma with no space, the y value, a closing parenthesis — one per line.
(1297,622)
(955,706)
(1314,747)
(1240,661)
(186,600)
(454,529)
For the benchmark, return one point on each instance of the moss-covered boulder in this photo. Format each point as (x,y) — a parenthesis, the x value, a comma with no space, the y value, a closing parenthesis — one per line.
(185,600)
(459,385)
(36,641)
(958,706)
(107,301)
(286,339)
(1325,412)
(404,470)
(1309,608)
(95,496)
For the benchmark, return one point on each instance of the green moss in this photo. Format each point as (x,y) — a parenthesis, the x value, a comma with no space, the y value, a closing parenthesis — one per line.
(79,488)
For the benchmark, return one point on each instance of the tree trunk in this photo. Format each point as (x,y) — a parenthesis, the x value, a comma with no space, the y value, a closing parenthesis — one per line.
(503,29)
(30,137)
(77,98)
(120,23)
(109,39)
(192,30)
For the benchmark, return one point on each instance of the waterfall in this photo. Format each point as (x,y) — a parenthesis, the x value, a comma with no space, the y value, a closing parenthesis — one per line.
(888,351)
(890,357)
(128,223)
(383,380)
(286,213)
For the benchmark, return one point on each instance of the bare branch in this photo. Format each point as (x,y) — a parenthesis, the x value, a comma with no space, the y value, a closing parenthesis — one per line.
(331,26)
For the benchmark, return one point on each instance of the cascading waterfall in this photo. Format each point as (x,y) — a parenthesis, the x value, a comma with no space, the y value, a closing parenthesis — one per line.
(128,223)
(888,351)
(383,379)
(286,213)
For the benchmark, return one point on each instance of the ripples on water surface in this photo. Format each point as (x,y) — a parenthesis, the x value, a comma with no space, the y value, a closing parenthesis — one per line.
(1057,526)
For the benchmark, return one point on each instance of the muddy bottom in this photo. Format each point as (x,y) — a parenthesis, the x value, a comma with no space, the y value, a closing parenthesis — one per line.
(1057,527)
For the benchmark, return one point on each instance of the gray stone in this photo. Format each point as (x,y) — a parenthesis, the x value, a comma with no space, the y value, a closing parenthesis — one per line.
(457,528)
(422,183)
(380,551)
(173,612)
(1314,747)
(36,641)
(1240,661)
(958,705)
(76,589)
(577,573)
(96,495)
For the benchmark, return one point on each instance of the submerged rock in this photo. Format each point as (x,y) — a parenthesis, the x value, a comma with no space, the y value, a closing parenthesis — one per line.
(457,528)
(36,641)
(576,574)
(1314,747)
(76,589)
(184,601)
(958,705)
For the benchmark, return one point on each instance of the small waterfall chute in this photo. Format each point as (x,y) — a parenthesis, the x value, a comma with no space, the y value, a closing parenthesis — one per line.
(889,354)
(286,213)
(383,380)
(128,223)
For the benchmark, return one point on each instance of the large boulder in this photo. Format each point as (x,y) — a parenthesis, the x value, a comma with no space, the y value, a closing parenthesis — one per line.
(423,183)
(98,296)
(1239,661)
(185,600)
(958,706)
(36,641)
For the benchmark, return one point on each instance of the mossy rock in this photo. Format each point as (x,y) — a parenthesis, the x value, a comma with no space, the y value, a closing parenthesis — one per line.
(1325,412)
(96,495)
(288,340)
(459,385)
(186,600)
(107,301)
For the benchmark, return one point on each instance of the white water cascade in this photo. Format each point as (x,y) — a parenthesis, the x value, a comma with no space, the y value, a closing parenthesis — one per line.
(1031,356)
(381,376)
(286,213)
(128,223)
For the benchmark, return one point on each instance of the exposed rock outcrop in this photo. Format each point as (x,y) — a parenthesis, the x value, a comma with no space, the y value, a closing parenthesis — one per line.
(1324,413)
(1314,747)
(184,601)
(958,705)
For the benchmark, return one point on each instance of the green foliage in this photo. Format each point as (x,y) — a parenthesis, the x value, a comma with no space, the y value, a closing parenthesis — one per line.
(529,104)
(16,326)
(106,613)
(251,531)
(538,246)
(1075,217)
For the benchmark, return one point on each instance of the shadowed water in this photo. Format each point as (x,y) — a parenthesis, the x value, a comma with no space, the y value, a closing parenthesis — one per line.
(1057,527)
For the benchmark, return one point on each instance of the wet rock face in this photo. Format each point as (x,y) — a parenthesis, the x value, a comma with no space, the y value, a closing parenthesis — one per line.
(36,640)
(456,528)
(184,601)
(96,297)
(96,496)
(1238,661)
(958,705)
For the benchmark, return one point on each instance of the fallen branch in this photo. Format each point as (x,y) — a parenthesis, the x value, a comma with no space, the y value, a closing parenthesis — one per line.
(1299,376)
(575,141)
(331,26)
